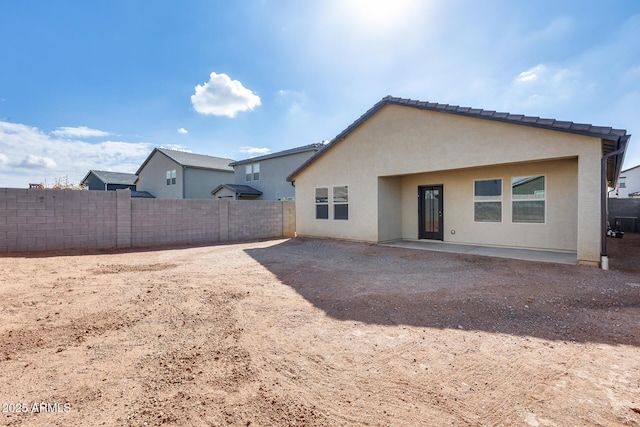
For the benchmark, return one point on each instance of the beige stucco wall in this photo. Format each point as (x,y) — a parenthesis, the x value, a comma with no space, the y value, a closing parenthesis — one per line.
(401,141)
(559,232)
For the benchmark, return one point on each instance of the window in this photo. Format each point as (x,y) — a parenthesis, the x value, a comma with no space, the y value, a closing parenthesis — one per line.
(252,172)
(322,203)
(487,200)
(171,177)
(622,182)
(341,202)
(528,199)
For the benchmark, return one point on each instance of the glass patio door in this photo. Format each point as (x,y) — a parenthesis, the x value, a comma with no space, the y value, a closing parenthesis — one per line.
(430,199)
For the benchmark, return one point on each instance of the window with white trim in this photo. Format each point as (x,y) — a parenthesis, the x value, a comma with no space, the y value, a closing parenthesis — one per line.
(252,172)
(341,202)
(171,177)
(528,199)
(322,203)
(622,182)
(487,200)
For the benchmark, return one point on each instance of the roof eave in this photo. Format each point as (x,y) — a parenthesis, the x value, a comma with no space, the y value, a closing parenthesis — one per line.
(472,113)
(149,158)
(619,159)
(342,135)
(86,176)
(298,150)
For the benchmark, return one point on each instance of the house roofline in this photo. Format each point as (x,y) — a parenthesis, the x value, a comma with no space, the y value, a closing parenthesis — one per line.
(310,147)
(616,136)
(631,168)
(255,192)
(97,174)
(177,162)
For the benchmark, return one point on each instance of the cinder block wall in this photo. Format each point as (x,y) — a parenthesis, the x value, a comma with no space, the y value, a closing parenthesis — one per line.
(628,209)
(164,221)
(38,220)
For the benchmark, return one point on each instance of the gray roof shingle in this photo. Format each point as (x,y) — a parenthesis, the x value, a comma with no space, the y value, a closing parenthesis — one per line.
(310,147)
(200,161)
(142,195)
(113,177)
(197,160)
(238,189)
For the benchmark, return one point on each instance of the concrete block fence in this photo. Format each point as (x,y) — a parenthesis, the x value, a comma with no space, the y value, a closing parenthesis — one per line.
(628,213)
(38,220)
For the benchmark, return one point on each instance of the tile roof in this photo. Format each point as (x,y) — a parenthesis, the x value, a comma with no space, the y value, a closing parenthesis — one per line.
(238,189)
(580,128)
(310,147)
(613,136)
(113,177)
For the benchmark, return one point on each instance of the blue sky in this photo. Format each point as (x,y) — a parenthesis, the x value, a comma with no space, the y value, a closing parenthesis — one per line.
(98,84)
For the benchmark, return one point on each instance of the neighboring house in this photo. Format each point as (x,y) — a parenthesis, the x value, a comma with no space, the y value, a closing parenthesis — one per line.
(414,170)
(265,177)
(109,181)
(171,174)
(236,192)
(628,183)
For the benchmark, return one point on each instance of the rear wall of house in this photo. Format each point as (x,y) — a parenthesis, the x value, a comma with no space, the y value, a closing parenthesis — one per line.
(558,232)
(401,142)
(200,182)
(273,175)
(153,178)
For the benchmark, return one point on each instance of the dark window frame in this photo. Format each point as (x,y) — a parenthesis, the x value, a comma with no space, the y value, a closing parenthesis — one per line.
(340,207)
(539,199)
(486,203)
(322,206)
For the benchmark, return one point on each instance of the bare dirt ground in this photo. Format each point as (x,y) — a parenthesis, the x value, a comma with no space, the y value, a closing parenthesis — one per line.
(318,333)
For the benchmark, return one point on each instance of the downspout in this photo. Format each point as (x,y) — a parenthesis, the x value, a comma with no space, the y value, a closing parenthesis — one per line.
(604,259)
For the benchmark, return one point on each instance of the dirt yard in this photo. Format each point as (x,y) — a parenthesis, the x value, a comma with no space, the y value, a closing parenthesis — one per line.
(308,332)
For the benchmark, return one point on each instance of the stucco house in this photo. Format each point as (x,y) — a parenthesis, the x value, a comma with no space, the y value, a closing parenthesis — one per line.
(265,177)
(628,183)
(416,170)
(109,181)
(172,174)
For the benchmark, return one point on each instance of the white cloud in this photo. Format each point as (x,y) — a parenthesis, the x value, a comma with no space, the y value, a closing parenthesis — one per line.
(35,162)
(255,151)
(78,132)
(177,147)
(549,90)
(221,96)
(183,131)
(30,155)
(531,74)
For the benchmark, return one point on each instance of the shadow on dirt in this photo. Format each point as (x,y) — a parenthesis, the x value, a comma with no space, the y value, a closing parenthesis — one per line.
(393,286)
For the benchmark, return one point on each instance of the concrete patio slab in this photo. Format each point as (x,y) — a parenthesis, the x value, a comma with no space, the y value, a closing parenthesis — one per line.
(499,252)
